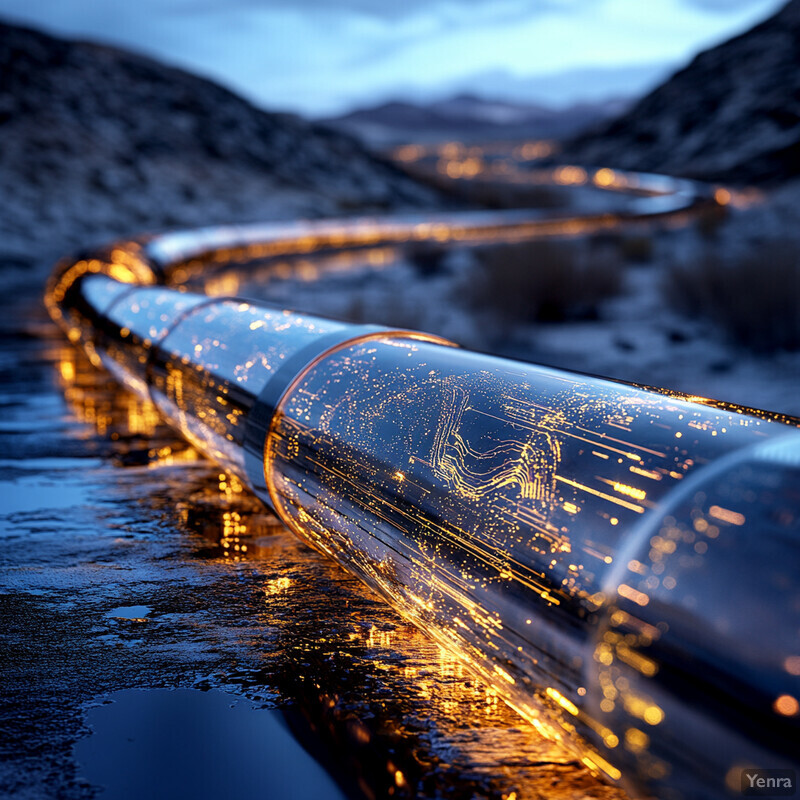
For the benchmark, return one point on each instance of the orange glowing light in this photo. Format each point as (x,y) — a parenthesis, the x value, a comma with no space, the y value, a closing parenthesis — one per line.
(786,705)
(604,177)
(726,515)
(630,491)
(635,596)
(792,665)
(559,698)
(409,153)
(722,196)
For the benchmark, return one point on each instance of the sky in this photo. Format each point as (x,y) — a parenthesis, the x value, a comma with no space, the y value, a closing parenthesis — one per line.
(323,57)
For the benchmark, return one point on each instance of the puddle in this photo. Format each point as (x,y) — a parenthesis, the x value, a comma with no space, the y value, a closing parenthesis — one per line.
(161,743)
(34,491)
(129,612)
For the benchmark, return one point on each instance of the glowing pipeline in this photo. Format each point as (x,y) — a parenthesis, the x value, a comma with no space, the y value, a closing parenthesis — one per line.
(620,564)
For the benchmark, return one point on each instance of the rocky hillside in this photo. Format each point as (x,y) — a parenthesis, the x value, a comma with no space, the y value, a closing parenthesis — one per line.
(733,114)
(96,142)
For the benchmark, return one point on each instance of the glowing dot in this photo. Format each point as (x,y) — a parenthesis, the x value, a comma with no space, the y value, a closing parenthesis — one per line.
(636,740)
(792,665)
(726,515)
(628,592)
(786,705)
(604,177)
(653,715)
(722,196)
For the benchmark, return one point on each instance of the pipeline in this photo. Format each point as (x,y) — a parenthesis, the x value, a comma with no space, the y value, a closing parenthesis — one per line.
(619,563)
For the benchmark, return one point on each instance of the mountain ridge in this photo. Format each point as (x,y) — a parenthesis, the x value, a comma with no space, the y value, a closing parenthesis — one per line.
(732,114)
(98,142)
(468,117)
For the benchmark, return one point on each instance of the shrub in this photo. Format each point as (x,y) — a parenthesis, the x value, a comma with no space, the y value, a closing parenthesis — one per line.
(426,258)
(710,221)
(543,281)
(753,299)
(638,249)
(511,195)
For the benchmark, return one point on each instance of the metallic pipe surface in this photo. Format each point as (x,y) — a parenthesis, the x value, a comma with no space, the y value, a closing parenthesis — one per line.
(620,564)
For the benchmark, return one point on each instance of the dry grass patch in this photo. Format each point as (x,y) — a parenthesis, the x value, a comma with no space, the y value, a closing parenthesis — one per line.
(544,281)
(753,299)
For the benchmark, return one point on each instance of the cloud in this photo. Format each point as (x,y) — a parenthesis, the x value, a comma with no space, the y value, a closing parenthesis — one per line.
(321,56)
(724,6)
(387,9)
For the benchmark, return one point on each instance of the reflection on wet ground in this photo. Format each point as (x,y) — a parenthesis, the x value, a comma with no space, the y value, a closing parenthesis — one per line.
(128,563)
(161,743)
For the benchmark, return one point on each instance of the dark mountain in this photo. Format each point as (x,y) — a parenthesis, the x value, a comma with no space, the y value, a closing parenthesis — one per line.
(467,117)
(97,142)
(733,114)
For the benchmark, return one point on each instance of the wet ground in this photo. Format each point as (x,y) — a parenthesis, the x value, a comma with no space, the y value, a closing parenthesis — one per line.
(129,567)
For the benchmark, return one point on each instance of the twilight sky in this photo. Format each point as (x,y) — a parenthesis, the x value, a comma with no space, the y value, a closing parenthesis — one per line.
(320,57)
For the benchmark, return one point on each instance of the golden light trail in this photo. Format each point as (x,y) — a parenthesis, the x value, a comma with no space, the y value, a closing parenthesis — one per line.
(546,529)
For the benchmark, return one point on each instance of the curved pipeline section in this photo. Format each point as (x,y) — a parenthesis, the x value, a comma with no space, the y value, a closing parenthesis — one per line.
(599,553)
